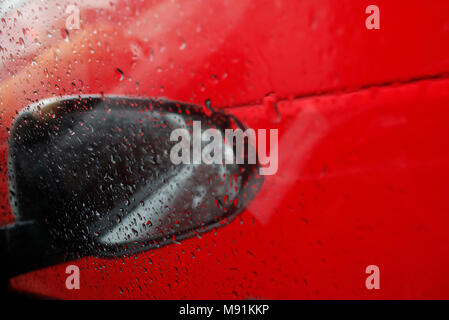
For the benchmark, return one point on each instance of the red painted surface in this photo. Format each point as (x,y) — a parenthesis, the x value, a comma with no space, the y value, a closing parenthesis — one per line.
(363,170)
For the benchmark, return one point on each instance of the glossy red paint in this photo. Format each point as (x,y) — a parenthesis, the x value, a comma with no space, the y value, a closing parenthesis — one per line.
(363,142)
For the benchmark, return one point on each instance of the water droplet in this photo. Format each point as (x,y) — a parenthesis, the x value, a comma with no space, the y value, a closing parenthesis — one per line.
(120,72)
(183,45)
(65,34)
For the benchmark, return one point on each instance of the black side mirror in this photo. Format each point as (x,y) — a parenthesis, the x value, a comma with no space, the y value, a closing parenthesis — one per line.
(92,176)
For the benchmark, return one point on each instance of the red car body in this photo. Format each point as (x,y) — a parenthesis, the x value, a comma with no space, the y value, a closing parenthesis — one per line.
(363,173)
